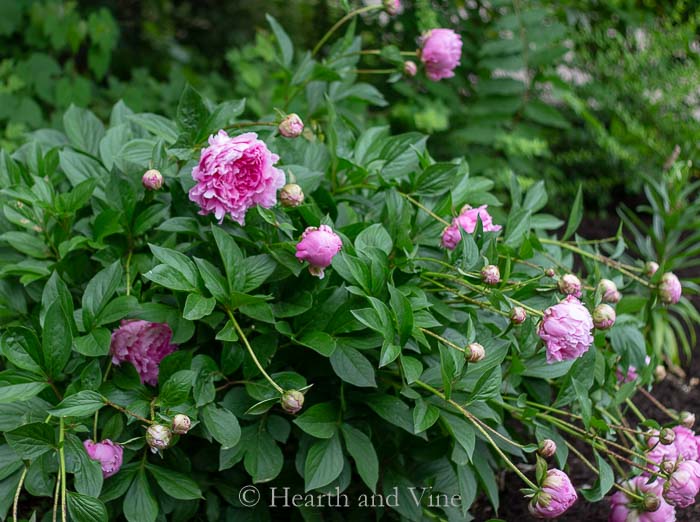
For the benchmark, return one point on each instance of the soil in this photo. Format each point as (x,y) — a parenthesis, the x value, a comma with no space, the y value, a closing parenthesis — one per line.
(674,392)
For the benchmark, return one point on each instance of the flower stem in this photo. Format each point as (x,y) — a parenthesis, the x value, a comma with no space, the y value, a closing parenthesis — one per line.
(443,340)
(127,412)
(55,497)
(341,22)
(485,433)
(62,458)
(15,504)
(656,403)
(127,269)
(375,71)
(238,329)
(424,209)
(635,410)
(468,299)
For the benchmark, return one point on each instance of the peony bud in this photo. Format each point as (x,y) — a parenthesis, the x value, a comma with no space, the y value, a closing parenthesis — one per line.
(518,315)
(410,68)
(650,268)
(687,419)
(475,352)
(550,272)
(181,424)
(392,7)
(152,179)
(318,246)
(667,436)
(490,275)
(668,466)
(291,195)
(547,448)
(660,373)
(603,316)
(107,453)
(555,496)
(608,291)
(158,437)
(651,503)
(291,126)
(569,284)
(292,401)
(670,288)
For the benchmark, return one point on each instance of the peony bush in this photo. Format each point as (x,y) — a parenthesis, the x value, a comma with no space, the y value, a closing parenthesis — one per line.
(310,303)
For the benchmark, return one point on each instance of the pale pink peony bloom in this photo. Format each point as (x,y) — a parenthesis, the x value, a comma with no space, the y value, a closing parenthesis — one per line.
(318,246)
(235,174)
(683,486)
(626,509)
(107,453)
(556,496)
(467,220)
(569,284)
(685,443)
(670,289)
(144,345)
(566,330)
(291,126)
(440,53)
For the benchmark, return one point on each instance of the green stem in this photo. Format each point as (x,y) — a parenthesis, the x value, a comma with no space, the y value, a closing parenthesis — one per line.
(485,433)
(127,269)
(635,410)
(127,412)
(341,22)
(443,340)
(238,329)
(62,458)
(424,209)
(656,403)
(375,71)
(94,426)
(15,504)
(55,497)
(466,298)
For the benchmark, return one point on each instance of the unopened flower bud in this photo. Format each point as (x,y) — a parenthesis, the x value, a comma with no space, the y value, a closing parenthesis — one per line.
(550,272)
(392,7)
(670,289)
(660,373)
(152,179)
(475,352)
(291,195)
(687,419)
(667,436)
(668,466)
(490,275)
(410,68)
(569,284)
(292,401)
(650,268)
(291,126)
(651,503)
(547,448)
(181,424)
(603,316)
(158,437)
(518,315)
(608,291)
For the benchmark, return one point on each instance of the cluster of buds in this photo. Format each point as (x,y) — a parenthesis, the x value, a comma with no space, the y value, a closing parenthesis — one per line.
(159,436)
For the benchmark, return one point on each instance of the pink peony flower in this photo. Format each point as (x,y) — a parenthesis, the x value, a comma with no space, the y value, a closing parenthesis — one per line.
(107,453)
(556,495)
(235,174)
(440,53)
(685,443)
(626,509)
(566,330)
(144,345)
(318,246)
(670,289)
(467,220)
(684,484)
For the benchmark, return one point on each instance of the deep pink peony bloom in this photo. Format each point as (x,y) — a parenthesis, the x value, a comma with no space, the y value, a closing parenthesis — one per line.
(235,174)
(318,246)
(107,453)
(440,53)
(684,484)
(685,443)
(566,330)
(556,496)
(625,509)
(144,345)
(670,288)
(467,220)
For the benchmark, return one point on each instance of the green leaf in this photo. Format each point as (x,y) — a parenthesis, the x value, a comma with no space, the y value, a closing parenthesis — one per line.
(222,424)
(575,215)
(94,344)
(32,440)
(353,367)
(436,179)
(403,313)
(81,404)
(176,389)
(157,125)
(232,258)
(139,503)
(324,462)
(178,261)
(21,347)
(167,277)
(283,40)
(177,485)
(198,306)
(517,226)
(83,508)
(604,482)
(84,129)
(362,451)
(321,342)
(257,269)
(374,236)
(393,410)
(99,291)
(191,113)
(462,431)
(57,340)
(263,459)
(213,280)
(55,290)
(10,393)
(320,421)
(87,472)
(424,416)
